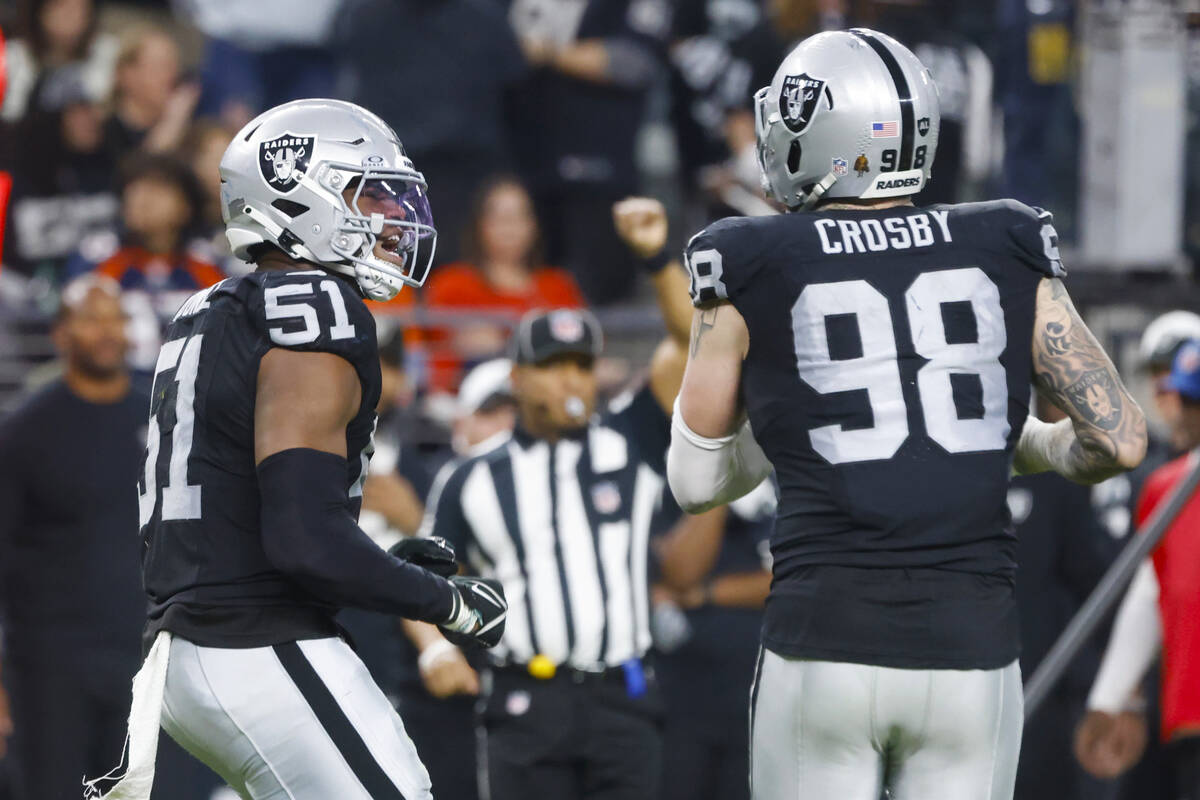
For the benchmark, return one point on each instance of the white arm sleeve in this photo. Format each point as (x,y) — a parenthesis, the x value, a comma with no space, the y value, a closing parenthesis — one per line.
(705,473)
(1136,637)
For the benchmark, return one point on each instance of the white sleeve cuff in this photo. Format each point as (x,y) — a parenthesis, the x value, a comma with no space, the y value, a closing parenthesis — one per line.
(705,472)
(1136,636)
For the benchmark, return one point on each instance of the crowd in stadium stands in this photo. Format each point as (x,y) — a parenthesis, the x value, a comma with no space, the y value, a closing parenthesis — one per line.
(528,118)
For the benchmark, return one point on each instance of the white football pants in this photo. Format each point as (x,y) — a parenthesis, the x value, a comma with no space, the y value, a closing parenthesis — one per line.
(298,721)
(821,730)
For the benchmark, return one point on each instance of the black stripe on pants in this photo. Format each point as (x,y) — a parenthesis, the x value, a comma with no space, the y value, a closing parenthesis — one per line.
(758,666)
(336,724)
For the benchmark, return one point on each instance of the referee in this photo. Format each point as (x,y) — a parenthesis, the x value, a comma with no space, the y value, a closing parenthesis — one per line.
(560,514)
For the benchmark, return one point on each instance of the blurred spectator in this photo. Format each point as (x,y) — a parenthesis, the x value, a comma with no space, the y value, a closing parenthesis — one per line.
(1191,214)
(1033,50)
(504,272)
(261,54)
(1063,551)
(722,52)
(71,596)
(202,148)
(399,478)
(1160,610)
(150,258)
(1115,500)
(486,408)
(62,183)
(56,42)
(443,97)
(576,119)
(714,578)
(152,108)
(437,696)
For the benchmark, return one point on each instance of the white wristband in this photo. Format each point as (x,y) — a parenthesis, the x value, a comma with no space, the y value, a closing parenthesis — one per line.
(434,652)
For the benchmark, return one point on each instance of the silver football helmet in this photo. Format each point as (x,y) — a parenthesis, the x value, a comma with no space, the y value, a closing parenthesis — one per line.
(848,114)
(328,182)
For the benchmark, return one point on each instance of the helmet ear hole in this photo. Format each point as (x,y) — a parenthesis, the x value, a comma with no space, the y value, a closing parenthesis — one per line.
(793,159)
(289,207)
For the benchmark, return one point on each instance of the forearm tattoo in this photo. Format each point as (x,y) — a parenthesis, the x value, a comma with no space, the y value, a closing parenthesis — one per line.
(1072,370)
(705,322)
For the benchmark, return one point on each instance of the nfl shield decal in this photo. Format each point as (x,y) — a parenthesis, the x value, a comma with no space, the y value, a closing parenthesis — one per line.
(284,160)
(923,126)
(798,100)
(566,326)
(606,497)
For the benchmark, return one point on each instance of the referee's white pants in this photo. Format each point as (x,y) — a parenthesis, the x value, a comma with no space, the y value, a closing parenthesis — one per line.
(822,730)
(298,721)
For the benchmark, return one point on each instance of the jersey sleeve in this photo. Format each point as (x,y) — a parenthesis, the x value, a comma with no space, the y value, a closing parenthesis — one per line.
(317,312)
(1033,239)
(721,259)
(645,425)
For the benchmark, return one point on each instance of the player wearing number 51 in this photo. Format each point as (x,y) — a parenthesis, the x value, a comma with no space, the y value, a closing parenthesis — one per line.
(879,356)
(261,420)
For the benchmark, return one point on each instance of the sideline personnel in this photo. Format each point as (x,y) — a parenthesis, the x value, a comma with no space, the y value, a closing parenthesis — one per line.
(560,514)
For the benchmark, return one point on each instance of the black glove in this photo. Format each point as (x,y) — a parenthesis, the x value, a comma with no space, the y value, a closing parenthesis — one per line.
(478,614)
(434,554)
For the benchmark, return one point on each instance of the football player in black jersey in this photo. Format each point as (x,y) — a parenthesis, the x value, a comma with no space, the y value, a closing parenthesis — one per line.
(882,355)
(260,429)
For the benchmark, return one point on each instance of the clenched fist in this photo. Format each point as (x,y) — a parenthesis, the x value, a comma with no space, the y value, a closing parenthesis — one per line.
(642,224)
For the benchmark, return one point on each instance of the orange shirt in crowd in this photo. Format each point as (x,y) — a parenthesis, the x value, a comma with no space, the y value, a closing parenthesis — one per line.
(463,286)
(135,268)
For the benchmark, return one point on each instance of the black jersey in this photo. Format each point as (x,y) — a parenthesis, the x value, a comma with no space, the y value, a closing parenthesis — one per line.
(887,379)
(205,571)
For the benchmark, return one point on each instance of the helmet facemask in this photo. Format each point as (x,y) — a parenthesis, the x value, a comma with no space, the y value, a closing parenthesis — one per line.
(385,229)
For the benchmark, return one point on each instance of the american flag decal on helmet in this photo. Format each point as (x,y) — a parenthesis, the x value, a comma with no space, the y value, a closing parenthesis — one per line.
(885,130)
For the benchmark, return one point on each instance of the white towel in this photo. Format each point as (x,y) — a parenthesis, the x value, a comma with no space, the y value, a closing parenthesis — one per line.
(141,742)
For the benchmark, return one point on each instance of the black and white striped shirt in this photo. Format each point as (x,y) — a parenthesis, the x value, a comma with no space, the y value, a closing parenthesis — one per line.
(565,527)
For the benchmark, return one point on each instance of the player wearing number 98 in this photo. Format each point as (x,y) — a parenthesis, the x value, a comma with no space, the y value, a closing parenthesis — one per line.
(261,422)
(883,355)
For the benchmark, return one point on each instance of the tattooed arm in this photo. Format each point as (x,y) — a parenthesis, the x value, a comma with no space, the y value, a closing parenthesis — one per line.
(1105,432)
(710,398)
(713,458)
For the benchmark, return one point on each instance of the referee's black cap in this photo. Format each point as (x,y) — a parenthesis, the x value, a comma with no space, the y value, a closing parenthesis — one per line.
(542,335)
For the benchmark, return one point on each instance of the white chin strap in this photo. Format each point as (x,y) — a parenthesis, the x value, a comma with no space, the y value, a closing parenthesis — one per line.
(275,231)
(374,285)
(371,282)
(818,191)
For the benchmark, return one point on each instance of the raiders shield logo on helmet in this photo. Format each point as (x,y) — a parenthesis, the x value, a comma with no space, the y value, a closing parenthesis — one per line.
(798,100)
(284,159)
